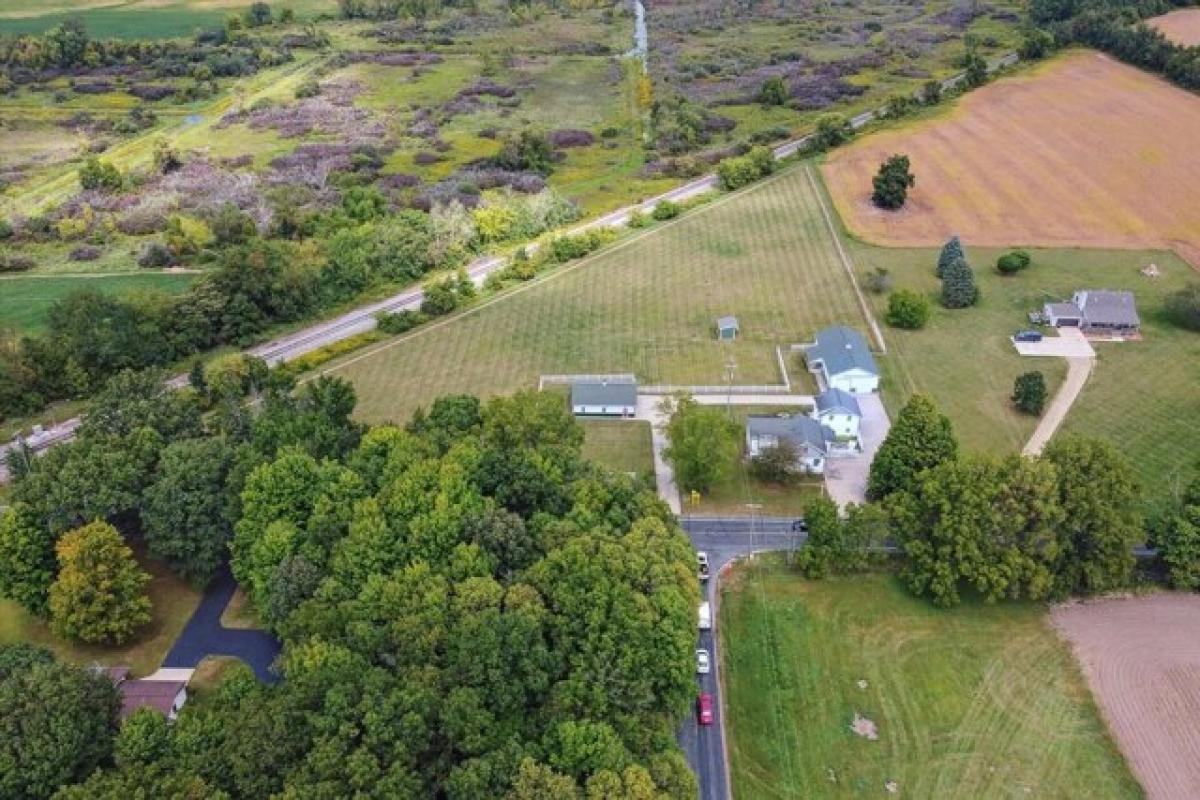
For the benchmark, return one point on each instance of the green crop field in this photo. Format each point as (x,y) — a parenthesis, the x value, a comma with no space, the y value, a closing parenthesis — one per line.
(24,301)
(981,701)
(647,305)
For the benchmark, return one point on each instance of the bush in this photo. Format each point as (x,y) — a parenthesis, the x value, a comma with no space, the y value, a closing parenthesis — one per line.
(776,464)
(1012,263)
(100,175)
(879,281)
(665,210)
(734,173)
(6,230)
(401,322)
(773,92)
(638,219)
(11,262)
(908,310)
(85,252)
(891,184)
(832,130)
(1183,307)
(309,88)
(1029,393)
(154,255)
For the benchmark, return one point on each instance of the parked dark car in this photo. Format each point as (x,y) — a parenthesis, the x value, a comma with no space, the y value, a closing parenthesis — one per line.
(1028,336)
(800,526)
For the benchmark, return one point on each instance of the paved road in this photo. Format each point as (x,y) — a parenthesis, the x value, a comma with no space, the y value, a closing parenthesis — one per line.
(363,318)
(205,636)
(724,539)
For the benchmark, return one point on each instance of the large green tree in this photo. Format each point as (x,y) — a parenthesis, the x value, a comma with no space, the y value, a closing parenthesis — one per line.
(891,184)
(27,563)
(1101,501)
(100,593)
(704,445)
(920,439)
(56,723)
(1177,538)
(979,523)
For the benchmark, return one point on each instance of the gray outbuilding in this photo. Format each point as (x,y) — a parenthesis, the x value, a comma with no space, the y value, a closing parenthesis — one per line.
(604,397)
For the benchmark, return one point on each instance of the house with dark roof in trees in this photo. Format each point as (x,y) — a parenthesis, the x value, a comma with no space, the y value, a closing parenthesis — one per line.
(840,359)
(808,438)
(1096,313)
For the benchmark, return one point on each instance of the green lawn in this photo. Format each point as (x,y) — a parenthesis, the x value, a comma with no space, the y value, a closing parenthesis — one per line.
(645,305)
(619,444)
(1142,396)
(173,599)
(24,301)
(981,701)
(134,19)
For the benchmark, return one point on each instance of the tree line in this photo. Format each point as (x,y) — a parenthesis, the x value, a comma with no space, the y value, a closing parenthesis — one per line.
(468,608)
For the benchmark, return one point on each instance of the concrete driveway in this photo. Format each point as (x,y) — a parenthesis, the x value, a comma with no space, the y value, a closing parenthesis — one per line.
(1069,343)
(846,478)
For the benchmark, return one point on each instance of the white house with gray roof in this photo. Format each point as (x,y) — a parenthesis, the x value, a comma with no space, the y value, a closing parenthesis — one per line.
(1096,313)
(809,438)
(604,397)
(841,359)
(839,412)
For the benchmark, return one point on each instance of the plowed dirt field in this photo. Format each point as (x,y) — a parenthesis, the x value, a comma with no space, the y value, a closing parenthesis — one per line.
(1082,152)
(1141,657)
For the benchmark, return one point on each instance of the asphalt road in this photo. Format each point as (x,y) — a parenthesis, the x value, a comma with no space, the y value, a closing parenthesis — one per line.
(724,539)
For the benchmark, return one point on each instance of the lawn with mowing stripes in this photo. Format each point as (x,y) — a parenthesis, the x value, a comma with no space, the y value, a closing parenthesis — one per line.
(1143,396)
(25,301)
(980,701)
(647,305)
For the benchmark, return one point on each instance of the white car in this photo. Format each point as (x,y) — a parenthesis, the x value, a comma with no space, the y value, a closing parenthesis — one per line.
(702,563)
(703,665)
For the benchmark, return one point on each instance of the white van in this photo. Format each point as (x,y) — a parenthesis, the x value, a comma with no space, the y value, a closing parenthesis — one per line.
(705,616)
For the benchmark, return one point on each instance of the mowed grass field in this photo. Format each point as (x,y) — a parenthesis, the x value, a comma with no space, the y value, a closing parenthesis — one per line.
(1081,152)
(136,19)
(1181,26)
(646,305)
(25,301)
(620,444)
(1144,396)
(980,701)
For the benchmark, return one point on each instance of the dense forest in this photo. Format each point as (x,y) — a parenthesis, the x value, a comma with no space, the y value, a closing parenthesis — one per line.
(468,609)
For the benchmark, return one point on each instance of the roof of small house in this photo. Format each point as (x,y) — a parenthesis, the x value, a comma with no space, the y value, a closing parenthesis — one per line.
(608,392)
(800,430)
(838,400)
(1062,310)
(725,323)
(159,695)
(842,349)
(1102,307)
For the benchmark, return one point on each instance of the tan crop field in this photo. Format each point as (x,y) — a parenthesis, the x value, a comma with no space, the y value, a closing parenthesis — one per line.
(1081,152)
(1141,657)
(1181,26)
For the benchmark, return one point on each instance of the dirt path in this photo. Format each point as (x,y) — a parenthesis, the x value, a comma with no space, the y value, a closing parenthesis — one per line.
(1078,370)
(1141,658)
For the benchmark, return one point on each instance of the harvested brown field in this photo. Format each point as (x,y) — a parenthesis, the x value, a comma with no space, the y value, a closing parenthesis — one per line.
(1081,152)
(1141,657)
(1181,26)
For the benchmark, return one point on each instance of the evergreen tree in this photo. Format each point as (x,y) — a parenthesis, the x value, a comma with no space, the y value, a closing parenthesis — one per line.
(951,251)
(99,595)
(1029,392)
(958,285)
(921,439)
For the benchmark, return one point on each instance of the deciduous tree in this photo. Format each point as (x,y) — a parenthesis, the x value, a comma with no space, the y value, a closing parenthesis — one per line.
(907,309)
(100,592)
(704,444)
(891,184)
(921,439)
(1029,392)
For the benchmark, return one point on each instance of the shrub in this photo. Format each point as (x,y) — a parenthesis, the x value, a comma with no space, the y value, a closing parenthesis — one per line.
(11,262)
(309,88)
(879,281)
(401,322)
(1183,307)
(665,210)
(85,252)
(1012,263)
(154,255)
(100,175)
(1029,392)
(908,310)
(832,130)
(892,183)
(638,219)
(773,92)
(6,230)
(570,137)
(734,173)
(776,464)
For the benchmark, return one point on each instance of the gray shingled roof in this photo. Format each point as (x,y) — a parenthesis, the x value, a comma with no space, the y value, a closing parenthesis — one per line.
(604,393)
(842,349)
(799,429)
(1103,307)
(1062,309)
(727,322)
(838,400)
